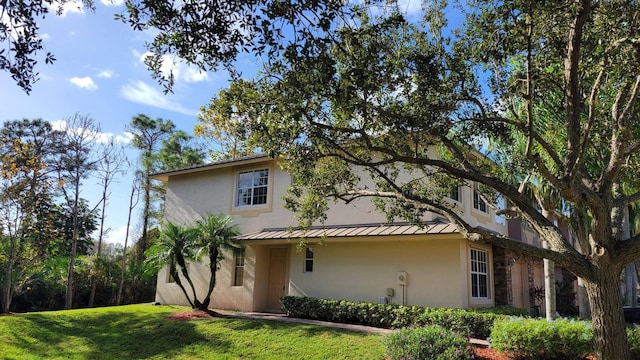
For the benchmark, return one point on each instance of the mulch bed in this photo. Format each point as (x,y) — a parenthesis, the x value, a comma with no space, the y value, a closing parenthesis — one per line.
(189,315)
(485,353)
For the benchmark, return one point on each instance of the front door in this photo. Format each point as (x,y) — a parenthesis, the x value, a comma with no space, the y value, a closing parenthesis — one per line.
(277,277)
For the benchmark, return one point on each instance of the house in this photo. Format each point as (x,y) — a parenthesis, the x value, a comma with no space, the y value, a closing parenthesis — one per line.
(356,256)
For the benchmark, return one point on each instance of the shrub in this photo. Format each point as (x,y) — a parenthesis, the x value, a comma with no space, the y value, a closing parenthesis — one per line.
(470,323)
(539,339)
(502,310)
(633,334)
(429,342)
(474,323)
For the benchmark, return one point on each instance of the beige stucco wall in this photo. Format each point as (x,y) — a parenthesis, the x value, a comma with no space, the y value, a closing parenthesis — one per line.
(193,195)
(224,296)
(437,271)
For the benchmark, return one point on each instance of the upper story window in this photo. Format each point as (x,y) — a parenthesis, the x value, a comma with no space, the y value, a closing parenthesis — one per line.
(456,194)
(479,274)
(478,203)
(252,187)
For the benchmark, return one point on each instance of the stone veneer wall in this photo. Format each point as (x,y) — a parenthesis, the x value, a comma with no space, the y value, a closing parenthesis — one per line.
(502,278)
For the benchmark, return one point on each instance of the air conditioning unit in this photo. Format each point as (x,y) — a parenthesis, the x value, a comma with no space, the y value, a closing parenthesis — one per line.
(402,277)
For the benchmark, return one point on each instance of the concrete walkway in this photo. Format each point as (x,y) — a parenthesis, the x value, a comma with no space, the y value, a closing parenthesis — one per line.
(353,327)
(284,318)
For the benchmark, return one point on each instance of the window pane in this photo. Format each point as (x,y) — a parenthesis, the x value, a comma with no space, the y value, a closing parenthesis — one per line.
(260,195)
(245,180)
(238,275)
(474,285)
(261,177)
(479,274)
(455,194)
(308,259)
(252,187)
(482,284)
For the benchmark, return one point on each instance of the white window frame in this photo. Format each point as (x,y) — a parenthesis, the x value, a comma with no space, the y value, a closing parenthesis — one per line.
(478,202)
(238,269)
(308,259)
(456,190)
(479,269)
(252,188)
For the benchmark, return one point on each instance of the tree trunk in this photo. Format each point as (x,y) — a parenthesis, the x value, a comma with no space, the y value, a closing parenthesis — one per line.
(126,239)
(6,291)
(94,281)
(630,274)
(549,276)
(609,334)
(213,266)
(176,278)
(68,304)
(583,301)
(144,241)
(549,288)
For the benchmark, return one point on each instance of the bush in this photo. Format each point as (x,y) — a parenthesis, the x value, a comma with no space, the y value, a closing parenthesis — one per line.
(539,339)
(430,343)
(469,323)
(472,323)
(502,310)
(633,334)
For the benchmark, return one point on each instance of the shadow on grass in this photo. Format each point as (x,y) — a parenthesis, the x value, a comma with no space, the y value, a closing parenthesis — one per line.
(307,330)
(114,335)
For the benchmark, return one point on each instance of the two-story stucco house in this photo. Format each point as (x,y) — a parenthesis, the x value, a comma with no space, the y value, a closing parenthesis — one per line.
(356,256)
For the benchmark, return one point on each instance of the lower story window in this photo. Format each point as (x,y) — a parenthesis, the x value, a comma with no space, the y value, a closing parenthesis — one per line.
(479,274)
(308,259)
(238,273)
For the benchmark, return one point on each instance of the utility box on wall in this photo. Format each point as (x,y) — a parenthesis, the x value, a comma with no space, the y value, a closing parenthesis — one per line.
(402,277)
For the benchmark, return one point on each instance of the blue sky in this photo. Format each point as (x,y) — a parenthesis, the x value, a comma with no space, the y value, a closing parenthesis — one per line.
(99,72)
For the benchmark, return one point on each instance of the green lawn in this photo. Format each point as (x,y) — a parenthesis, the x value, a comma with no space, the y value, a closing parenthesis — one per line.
(145,332)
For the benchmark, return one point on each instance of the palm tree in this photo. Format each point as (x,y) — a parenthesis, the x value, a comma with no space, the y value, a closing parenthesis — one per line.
(216,234)
(173,248)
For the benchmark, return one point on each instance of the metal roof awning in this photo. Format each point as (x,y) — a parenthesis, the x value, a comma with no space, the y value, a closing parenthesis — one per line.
(344,231)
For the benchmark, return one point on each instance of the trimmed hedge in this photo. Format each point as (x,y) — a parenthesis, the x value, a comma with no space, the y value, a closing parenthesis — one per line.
(431,342)
(470,323)
(521,338)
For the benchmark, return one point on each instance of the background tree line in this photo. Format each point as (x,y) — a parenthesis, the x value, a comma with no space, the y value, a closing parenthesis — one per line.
(52,249)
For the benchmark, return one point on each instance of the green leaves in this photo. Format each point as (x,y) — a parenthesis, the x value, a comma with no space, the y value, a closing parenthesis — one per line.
(20,42)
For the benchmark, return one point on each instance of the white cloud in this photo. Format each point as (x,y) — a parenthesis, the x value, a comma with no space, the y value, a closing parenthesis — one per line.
(142,93)
(84,83)
(181,71)
(117,236)
(112,2)
(99,137)
(410,7)
(45,36)
(69,7)
(118,139)
(107,74)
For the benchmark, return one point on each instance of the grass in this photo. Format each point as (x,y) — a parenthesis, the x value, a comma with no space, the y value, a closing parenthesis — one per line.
(145,332)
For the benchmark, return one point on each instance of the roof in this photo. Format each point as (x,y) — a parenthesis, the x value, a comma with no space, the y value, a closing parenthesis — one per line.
(338,231)
(164,175)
